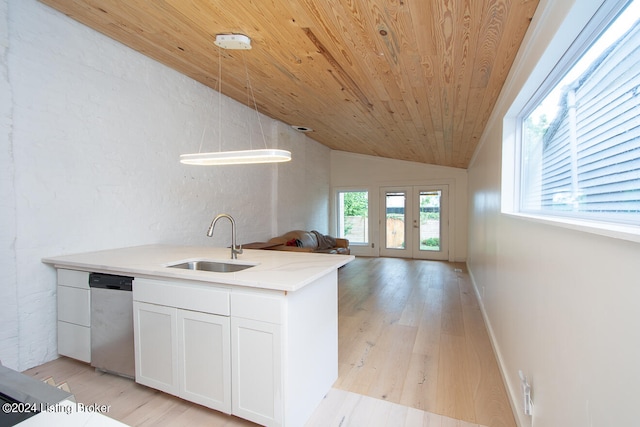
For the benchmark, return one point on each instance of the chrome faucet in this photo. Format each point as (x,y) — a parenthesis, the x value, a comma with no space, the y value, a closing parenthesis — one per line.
(235,250)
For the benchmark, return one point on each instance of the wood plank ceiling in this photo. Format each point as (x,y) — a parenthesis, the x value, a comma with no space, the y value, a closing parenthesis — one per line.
(404,79)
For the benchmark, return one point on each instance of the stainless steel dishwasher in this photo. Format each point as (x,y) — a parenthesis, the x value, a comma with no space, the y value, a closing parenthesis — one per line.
(112,324)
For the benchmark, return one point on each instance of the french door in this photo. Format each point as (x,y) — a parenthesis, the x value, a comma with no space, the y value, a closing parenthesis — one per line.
(414,222)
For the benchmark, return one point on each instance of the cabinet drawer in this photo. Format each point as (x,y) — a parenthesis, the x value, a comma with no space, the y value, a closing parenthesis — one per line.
(73,278)
(74,305)
(257,307)
(74,341)
(188,296)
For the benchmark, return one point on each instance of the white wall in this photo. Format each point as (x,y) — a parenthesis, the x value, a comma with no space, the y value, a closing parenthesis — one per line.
(90,135)
(370,172)
(8,297)
(561,304)
(303,187)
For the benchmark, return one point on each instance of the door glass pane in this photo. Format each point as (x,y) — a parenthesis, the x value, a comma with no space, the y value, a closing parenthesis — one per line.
(353,212)
(395,206)
(430,220)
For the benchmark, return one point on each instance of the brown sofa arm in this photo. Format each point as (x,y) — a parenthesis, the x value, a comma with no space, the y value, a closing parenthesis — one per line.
(342,243)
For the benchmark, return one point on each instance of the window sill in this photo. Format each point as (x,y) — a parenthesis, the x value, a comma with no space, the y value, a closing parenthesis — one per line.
(616,231)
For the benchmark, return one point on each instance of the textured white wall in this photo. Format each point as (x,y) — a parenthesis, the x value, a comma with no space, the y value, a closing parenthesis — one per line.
(91,132)
(562,305)
(8,297)
(303,188)
(355,170)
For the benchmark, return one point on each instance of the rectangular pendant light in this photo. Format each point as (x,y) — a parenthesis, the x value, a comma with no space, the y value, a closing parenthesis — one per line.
(236,157)
(237,42)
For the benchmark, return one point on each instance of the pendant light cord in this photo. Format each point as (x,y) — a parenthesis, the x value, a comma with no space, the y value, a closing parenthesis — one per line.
(255,105)
(219,98)
(219,82)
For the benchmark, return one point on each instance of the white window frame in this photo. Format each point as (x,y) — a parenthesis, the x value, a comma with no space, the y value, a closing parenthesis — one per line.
(580,26)
(336,211)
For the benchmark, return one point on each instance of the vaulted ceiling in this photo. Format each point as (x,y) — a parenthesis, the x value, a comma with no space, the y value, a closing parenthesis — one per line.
(404,79)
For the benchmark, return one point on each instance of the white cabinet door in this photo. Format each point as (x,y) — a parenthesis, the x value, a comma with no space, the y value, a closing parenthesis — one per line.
(257,371)
(156,347)
(204,366)
(184,353)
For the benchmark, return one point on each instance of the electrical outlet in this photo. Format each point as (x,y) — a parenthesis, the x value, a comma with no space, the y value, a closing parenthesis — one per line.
(526,395)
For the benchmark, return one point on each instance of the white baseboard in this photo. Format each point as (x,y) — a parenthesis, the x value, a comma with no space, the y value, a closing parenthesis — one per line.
(513,395)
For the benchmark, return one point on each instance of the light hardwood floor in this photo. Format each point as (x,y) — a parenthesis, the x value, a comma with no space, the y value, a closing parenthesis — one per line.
(411,335)
(411,332)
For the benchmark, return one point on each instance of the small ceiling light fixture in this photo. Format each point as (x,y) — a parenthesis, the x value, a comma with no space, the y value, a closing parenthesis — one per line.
(302,128)
(253,156)
(233,41)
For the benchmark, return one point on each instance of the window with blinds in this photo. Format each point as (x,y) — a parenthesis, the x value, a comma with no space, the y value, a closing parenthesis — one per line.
(580,151)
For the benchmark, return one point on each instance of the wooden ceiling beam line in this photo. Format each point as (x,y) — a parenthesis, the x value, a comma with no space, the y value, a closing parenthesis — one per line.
(346,79)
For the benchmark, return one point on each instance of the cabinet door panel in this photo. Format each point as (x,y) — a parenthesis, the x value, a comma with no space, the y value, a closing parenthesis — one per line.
(204,361)
(256,371)
(155,346)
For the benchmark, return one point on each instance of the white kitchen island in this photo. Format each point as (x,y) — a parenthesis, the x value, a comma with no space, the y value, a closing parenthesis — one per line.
(260,343)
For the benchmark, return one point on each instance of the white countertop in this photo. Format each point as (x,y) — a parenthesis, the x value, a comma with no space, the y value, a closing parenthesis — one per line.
(276,270)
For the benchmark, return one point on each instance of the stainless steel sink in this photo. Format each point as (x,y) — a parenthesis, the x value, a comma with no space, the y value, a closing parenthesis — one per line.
(214,266)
